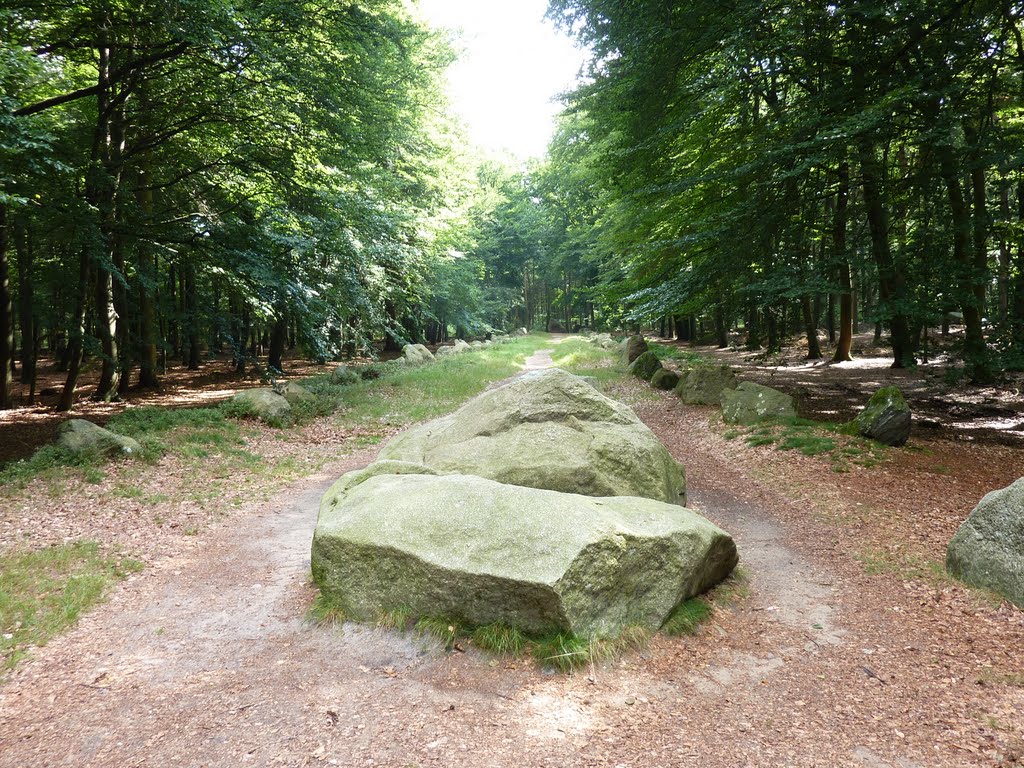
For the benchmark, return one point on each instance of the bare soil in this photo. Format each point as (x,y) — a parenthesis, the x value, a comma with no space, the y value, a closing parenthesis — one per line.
(848,650)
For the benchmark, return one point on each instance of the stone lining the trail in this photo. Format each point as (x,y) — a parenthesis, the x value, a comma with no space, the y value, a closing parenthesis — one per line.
(416,354)
(704,384)
(547,429)
(988,549)
(265,404)
(479,551)
(645,366)
(750,403)
(82,437)
(886,418)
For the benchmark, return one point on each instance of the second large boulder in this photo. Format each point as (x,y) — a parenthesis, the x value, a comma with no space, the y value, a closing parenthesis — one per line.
(552,430)
(988,549)
(750,403)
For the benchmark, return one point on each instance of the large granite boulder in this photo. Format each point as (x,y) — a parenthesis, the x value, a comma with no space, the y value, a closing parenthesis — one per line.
(664,379)
(84,438)
(886,418)
(988,549)
(634,346)
(294,393)
(478,551)
(645,366)
(265,404)
(750,403)
(547,429)
(704,384)
(416,354)
(344,374)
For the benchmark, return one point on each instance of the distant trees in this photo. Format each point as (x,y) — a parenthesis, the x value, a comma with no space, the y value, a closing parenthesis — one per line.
(795,166)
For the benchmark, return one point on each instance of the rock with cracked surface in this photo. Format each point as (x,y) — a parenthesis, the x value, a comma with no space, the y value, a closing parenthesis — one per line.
(988,549)
(750,403)
(547,429)
(886,418)
(478,551)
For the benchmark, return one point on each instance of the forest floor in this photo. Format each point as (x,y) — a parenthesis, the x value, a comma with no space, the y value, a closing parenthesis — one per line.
(850,646)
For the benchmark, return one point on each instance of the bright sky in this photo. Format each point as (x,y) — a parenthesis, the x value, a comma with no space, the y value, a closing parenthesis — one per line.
(515,64)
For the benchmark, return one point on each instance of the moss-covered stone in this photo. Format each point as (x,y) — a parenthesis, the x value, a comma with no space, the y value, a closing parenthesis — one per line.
(886,418)
(265,404)
(344,374)
(84,438)
(704,384)
(645,366)
(484,552)
(988,549)
(664,379)
(750,403)
(547,429)
(633,347)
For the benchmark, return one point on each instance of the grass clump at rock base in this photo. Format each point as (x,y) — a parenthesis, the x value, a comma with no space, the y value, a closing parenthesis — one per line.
(44,592)
(687,618)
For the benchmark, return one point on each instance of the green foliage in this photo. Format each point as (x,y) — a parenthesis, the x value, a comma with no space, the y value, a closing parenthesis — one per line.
(448,631)
(500,638)
(687,618)
(327,612)
(564,652)
(45,591)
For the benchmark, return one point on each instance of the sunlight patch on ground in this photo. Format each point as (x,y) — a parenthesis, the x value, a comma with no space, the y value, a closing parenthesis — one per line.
(555,717)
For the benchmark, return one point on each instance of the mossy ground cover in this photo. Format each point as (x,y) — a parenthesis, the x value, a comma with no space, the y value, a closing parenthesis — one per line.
(813,438)
(43,592)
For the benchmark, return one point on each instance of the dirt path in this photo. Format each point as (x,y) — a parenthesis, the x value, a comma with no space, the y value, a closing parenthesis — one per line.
(206,661)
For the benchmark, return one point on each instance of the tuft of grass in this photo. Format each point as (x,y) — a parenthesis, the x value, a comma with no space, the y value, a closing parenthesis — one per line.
(499,638)
(326,612)
(807,444)
(448,631)
(687,618)
(43,592)
(565,652)
(397,618)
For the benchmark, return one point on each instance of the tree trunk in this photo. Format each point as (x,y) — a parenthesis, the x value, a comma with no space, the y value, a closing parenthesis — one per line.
(891,280)
(6,319)
(26,308)
(192,315)
(76,341)
(845,343)
(721,329)
(811,328)
(278,338)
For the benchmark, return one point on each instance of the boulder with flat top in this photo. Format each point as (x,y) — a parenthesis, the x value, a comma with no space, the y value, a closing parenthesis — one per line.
(750,403)
(477,551)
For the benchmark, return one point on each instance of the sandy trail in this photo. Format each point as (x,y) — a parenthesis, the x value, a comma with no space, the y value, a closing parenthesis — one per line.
(206,660)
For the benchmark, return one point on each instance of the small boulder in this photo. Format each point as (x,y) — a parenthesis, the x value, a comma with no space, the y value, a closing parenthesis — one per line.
(460,346)
(645,366)
(750,403)
(344,374)
(416,354)
(634,347)
(886,418)
(665,379)
(704,384)
(265,404)
(522,332)
(988,549)
(476,344)
(294,393)
(481,552)
(446,352)
(87,439)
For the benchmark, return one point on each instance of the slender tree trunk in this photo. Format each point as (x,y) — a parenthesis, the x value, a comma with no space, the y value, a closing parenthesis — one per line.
(975,350)
(891,280)
(811,328)
(845,343)
(76,340)
(6,318)
(26,307)
(1003,280)
(192,314)
(721,329)
(278,337)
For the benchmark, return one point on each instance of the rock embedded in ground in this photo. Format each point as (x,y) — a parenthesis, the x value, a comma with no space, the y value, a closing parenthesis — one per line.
(294,393)
(704,384)
(416,354)
(480,552)
(547,429)
(344,374)
(84,438)
(634,346)
(750,403)
(645,366)
(265,404)
(664,379)
(886,418)
(988,549)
